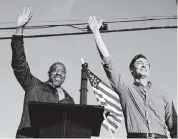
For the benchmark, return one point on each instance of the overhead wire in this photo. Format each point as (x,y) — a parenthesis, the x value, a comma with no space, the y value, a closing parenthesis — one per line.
(85,31)
(79,24)
(82,20)
(89,32)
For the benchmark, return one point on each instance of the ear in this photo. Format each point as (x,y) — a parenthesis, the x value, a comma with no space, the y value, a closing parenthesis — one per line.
(132,72)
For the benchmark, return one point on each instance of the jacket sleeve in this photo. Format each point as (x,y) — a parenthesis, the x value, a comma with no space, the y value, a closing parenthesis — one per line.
(171,119)
(19,64)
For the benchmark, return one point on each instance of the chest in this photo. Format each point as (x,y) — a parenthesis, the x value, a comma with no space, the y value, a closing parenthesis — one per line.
(46,94)
(146,101)
(61,94)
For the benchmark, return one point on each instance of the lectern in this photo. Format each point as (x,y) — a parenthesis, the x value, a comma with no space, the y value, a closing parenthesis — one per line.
(54,120)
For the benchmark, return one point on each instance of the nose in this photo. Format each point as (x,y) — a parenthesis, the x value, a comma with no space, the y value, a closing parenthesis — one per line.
(60,74)
(143,66)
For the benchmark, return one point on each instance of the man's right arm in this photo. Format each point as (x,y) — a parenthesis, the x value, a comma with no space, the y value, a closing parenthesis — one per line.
(109,66)
(19,64)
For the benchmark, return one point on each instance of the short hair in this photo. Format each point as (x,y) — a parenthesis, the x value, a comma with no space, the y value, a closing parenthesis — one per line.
(131,66)
(54,64)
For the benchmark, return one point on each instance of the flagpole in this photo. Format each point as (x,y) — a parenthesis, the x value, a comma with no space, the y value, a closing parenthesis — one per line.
(82,61)
(108,126)
(103,113)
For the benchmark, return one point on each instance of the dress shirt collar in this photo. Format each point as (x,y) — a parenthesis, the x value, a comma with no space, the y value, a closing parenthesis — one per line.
(139,84)
(59,89)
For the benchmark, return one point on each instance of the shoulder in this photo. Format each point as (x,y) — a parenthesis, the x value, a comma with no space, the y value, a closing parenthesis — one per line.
(38,87)
(158,92)
(66,94)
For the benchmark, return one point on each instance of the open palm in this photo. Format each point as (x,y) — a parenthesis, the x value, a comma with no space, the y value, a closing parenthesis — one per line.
(24,17)
(94,24)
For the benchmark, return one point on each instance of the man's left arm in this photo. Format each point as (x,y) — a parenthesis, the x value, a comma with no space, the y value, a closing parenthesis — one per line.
(171,119)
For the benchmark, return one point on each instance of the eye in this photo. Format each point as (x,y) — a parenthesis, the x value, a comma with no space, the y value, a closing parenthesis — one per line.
(139,62)
(60,71)
(55,70)
(63,72)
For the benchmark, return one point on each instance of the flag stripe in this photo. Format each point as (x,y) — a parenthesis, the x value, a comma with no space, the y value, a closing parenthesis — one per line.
(113,105)
(106,127)
(111,92)
(111,99)
(102,102)
(101,98)
(116,120)
(111,102)
(111,124)
(113,110)
(114,113)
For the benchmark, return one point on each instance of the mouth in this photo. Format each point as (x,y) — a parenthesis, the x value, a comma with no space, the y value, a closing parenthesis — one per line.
(58,78)
(143,70)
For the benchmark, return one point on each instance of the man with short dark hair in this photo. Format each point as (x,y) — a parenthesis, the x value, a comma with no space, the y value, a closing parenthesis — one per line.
(147,111)
(35,90)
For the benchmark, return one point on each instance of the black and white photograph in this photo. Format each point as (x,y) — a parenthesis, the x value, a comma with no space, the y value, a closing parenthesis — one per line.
(88,69)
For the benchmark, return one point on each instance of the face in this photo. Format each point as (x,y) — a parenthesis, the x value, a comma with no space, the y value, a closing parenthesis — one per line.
(141,68)
(57,75)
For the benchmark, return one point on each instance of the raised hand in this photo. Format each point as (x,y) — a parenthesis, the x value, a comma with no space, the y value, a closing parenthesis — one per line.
(24,17)
(94,24)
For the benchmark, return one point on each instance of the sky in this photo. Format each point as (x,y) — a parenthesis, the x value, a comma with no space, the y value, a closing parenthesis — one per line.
(159,46)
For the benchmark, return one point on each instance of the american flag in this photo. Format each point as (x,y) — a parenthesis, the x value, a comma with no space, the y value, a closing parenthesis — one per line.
(108,98)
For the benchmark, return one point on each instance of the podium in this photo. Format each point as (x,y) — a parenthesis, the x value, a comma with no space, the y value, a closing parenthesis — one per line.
(54,120)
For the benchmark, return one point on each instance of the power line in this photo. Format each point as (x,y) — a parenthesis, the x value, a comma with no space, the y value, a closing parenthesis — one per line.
(79,24)
(89,32)
(137,20)
(81,20)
